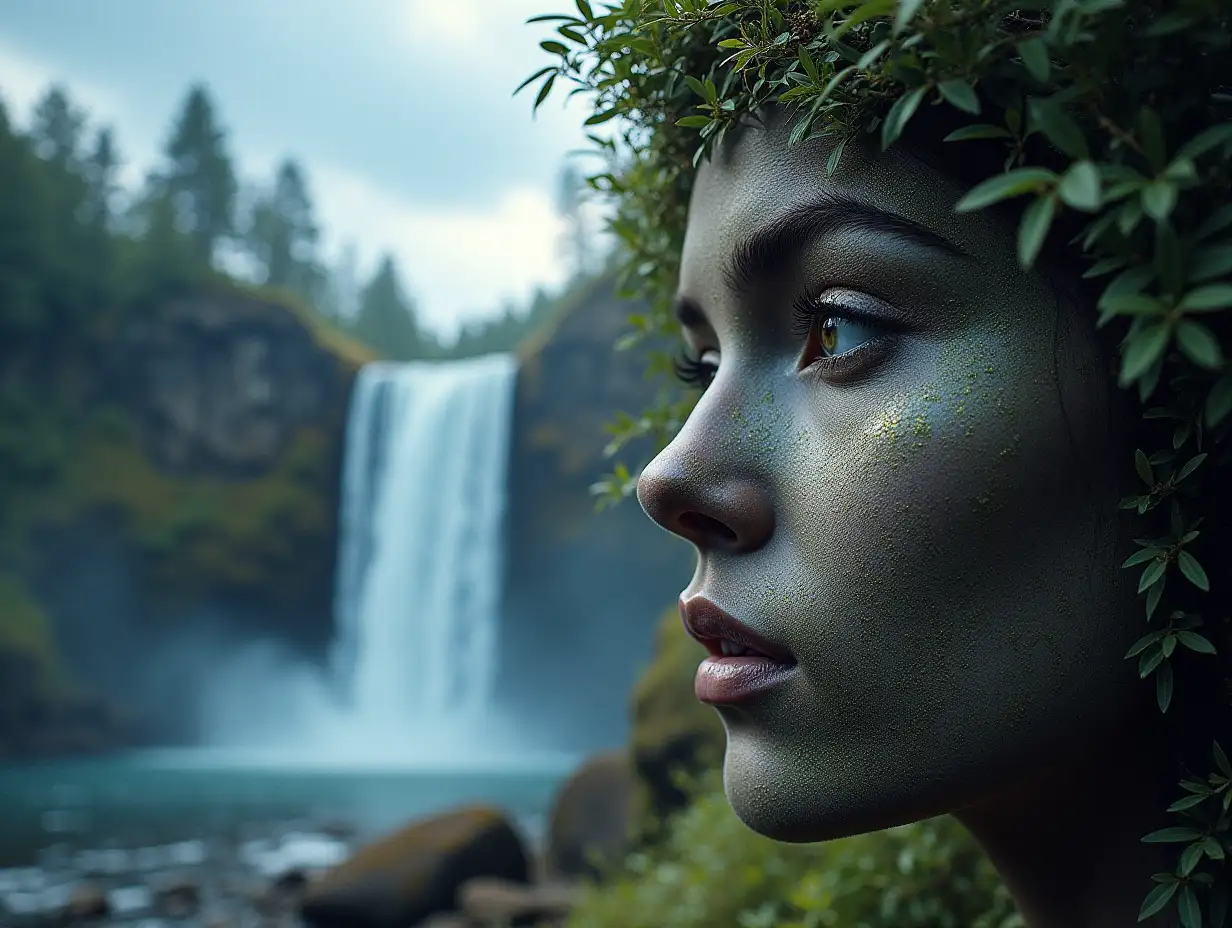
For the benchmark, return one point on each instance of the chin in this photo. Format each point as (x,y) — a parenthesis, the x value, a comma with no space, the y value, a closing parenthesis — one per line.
(789,798)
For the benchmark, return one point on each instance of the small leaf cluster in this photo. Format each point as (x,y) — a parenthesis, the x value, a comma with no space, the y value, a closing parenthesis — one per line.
(1115,119)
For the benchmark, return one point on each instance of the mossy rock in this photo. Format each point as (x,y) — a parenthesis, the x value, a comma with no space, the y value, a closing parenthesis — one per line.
(588,828)
(405,877)
(673,734)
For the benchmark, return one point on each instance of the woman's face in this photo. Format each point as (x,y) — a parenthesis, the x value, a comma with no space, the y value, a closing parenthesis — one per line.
(903,477)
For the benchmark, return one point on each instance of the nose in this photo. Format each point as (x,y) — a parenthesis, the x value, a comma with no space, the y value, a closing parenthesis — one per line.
(732,515)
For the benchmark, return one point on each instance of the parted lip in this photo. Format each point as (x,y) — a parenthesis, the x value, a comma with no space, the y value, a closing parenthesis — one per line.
(711,626)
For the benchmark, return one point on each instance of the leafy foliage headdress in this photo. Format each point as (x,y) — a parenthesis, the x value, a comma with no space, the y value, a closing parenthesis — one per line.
(1111,120)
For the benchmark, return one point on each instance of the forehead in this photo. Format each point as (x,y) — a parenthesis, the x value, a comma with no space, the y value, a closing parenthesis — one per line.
(750,182)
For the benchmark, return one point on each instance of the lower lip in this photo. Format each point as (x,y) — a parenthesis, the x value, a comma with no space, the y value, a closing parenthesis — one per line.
(727,680)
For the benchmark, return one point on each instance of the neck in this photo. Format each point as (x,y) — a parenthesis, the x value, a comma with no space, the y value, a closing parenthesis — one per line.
(1068,844)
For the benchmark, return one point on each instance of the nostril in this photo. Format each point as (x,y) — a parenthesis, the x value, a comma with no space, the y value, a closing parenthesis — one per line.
(703,526)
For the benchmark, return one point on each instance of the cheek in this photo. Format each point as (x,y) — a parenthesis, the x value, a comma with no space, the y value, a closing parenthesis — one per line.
(954,569)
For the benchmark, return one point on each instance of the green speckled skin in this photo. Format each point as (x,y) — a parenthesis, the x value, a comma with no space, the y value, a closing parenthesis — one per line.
(936,540)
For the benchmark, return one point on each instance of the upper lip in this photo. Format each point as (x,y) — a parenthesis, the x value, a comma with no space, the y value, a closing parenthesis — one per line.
(711,625)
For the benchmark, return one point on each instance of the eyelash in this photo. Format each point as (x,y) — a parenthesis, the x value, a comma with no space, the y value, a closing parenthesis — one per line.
(692,371)
(806,312)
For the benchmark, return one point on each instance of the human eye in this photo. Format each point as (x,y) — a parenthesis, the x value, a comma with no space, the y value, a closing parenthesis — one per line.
(697,371)
(843,331)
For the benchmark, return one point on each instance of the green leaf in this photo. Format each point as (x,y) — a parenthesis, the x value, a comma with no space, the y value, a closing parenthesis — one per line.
(900,113)
(810,66)
(1193,570)
(554,47)
(1212,848)
(1142,644)
(1221,760)
(1190,858)
(584,8)
(1151,135)
(1210,262)
(1005,186)
(906,12)
(979,131)
(1178,834)
(1199,344)
(1158,897)
(1034,54)
(960,94)
(544,91)
(694,122)
(1187,906)
(1153,597)
(1187,803)
(1209,138)
(1050,118)
(1163,687)
(835,156)
(1033,229)
(1195,642)
(1151,575)
(534,77)
(1207,299)
(1144,350)
(1079,188)
(1219,401)
(1143,465)
(1159,198)
(1141,557)
(1190,466)
(600,118)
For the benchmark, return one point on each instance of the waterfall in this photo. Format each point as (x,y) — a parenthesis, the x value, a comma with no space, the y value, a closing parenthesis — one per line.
(420,550)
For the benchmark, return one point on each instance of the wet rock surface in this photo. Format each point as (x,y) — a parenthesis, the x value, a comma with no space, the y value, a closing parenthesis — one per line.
(255,878)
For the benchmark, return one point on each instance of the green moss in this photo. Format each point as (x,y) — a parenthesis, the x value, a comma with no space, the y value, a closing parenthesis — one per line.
(24,628)
(203,531)
(673,733)
(710,870)
(325,333)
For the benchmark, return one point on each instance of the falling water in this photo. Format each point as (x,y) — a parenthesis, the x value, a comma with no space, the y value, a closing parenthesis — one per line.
(420,557)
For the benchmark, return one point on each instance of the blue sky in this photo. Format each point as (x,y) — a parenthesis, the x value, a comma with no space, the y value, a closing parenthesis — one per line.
(400,110)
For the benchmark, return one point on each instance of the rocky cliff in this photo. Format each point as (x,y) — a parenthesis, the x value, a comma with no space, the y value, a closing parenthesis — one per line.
(581,583)
(194,505)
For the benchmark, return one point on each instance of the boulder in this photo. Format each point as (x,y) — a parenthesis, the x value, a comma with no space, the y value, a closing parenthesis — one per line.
(589,822)
(672,732)
(405,877)
(178,898)
(492,902)
(88,901)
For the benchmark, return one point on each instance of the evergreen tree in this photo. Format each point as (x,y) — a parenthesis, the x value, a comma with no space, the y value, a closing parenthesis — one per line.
(25,239)
(576,242)
(200,179)
(101,169)
(282,234)
(57,128)
(386,318)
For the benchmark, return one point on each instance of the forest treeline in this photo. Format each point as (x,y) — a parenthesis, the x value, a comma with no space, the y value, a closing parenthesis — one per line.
(77,251)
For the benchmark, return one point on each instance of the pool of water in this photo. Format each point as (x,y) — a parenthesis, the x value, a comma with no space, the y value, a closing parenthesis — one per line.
(155,797)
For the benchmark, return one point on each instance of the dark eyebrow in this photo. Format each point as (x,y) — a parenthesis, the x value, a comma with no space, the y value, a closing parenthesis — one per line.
(780,242)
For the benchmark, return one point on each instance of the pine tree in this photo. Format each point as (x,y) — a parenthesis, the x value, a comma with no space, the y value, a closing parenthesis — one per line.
(200,178)
(101,169)
(282,234)
(57,128)
(576,240)
(386,318)
(25,236)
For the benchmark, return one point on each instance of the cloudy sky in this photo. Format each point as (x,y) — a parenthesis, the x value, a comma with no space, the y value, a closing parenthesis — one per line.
(401,111)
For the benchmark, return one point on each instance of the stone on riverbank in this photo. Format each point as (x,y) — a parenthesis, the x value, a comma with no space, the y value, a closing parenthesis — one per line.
(407,876)
(589,822)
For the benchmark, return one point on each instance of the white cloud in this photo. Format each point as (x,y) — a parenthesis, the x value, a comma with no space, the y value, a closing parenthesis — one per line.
(459,265)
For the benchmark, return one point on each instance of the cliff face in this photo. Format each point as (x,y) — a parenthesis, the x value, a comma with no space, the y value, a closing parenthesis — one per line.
(196,504)
(581,583)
